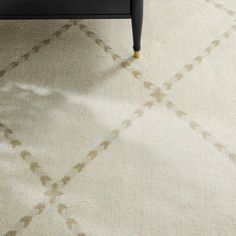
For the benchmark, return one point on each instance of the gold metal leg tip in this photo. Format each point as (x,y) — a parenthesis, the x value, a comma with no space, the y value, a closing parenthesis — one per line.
(137,54)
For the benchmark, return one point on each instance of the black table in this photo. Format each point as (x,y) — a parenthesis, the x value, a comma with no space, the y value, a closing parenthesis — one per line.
(78,9)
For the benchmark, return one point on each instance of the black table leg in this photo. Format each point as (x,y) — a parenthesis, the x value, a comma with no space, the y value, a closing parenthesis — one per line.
(137,23)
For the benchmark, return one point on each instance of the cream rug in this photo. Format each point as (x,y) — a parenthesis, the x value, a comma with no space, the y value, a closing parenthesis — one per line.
(95,143)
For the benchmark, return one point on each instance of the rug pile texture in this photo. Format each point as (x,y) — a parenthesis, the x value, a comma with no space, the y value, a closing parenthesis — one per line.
(96,143)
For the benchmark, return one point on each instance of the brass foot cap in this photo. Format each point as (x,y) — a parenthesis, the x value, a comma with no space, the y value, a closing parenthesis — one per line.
(137,54)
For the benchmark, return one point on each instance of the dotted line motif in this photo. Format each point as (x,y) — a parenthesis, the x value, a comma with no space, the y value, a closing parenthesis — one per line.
(157,97)
(200,58)
(26,220)
(35,49)
(194,125)
(157,92)
(25,155)
(99,149)
(222,8)
(71,223)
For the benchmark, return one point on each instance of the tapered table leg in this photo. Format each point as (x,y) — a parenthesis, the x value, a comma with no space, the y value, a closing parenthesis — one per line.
(137,23)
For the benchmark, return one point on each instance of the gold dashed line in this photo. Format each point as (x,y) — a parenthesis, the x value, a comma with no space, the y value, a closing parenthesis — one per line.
(199,59)
(35,49)
(157,95)
(25,155)
(17,145)
(176,78)
(96,151)
(199,129)
(25,221)
(71,222)
(222,8)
